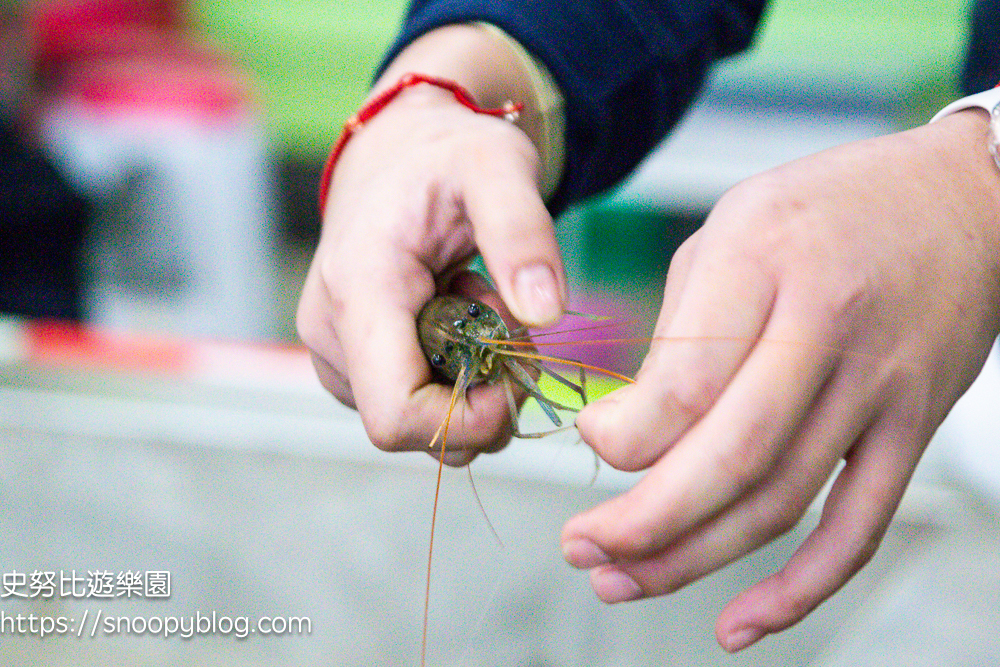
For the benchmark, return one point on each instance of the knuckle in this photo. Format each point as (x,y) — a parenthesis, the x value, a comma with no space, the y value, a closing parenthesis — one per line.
(794,601)
(634,538)
(624,453)
(330,381)
(747,459)
(343,394)
(310,328)
(838,303)
(620,445)
(393,424)
(685,251)
(795,598)
(317,311)
(779,504)
(495,147)
(849,295)
(783,517)
(770,207)
(385,432)
(478,430)
(862,544)
(691,396)
(763,197)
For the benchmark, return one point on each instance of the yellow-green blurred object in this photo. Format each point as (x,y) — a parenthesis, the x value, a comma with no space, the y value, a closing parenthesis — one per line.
(314,59)
(598,386)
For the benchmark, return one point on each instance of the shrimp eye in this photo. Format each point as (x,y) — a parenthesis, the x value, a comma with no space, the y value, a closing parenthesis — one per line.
(474,310)
(449,347)
(437,360)
(458,324)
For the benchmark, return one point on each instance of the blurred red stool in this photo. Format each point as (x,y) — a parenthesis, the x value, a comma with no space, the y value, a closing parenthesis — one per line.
(172,150)
(65,32)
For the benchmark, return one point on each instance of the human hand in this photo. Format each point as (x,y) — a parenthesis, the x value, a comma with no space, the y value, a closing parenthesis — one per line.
(416,192)
(881,260)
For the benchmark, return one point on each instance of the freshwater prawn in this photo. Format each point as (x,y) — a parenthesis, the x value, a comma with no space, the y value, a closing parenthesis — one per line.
(467,343)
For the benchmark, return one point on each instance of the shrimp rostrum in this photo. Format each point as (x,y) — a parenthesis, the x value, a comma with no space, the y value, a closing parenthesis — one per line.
(467,343)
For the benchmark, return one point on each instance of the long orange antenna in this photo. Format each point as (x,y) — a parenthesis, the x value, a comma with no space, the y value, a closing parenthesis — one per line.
(591,327)
(460,383)
(597,341)
(557,360)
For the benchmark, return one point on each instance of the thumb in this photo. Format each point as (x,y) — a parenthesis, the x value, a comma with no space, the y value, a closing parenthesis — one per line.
(515,234)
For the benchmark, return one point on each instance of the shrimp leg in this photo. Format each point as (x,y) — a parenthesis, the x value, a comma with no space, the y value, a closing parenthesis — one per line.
(521,377)
(515,415)
(580,389)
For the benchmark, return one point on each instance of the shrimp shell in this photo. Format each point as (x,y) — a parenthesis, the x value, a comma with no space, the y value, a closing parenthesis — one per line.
(459,333)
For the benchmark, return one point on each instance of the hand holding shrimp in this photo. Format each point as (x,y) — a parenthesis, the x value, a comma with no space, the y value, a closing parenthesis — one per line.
(414,195)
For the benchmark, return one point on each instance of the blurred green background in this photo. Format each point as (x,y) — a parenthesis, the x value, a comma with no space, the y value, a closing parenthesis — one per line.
(314,59)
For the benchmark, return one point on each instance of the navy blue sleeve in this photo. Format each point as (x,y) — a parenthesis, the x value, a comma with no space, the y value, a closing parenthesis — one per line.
(628,68)
(982,65)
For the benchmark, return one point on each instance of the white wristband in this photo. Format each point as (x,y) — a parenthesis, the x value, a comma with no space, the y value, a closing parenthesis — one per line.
(989,100)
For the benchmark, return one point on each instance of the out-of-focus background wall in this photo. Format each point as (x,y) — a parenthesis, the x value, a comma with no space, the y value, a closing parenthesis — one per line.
(168,438)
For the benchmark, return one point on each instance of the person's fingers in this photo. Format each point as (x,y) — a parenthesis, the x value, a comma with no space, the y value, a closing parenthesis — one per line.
(699,343)
(380,253)
(677,277)
(374,320)
(316,331)
(406,415)
(844,411)
(331,379)
(855,517)
(360,327)
(466,417)
(722,457)
(607,414)
(514,233)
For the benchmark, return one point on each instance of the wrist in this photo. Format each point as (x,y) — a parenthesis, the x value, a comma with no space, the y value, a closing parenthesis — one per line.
(488,64)
(964,153)
(465,54)
(384,98)
(987,100)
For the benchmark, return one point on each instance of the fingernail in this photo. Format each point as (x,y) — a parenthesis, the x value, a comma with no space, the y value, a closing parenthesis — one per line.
(737,640)
(584,554)
(612,586)
(537,294)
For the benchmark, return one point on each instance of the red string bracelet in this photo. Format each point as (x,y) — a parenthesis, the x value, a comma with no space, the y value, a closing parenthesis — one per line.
(508,111)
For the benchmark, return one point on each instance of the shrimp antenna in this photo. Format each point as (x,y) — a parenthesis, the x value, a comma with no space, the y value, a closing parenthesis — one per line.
(461,384)
(521,333)
(482,510)
(495,346)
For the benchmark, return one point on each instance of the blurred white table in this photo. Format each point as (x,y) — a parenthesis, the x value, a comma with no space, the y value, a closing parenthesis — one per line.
(227,466)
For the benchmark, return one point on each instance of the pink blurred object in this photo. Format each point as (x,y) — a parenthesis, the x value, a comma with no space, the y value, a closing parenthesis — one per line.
(60,15)
(581,338)
(126,41)
(132,55)
(157,85)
